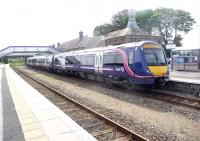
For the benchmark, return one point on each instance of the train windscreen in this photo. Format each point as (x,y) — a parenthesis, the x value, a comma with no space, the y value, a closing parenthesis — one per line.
(155,57)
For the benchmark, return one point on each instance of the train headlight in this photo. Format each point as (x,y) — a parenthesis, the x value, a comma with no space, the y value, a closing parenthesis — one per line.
(148,71)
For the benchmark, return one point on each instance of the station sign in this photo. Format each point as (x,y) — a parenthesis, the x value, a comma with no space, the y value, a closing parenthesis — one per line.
(170,46)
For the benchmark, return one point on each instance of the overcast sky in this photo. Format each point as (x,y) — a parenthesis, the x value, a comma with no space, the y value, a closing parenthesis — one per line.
(46,22)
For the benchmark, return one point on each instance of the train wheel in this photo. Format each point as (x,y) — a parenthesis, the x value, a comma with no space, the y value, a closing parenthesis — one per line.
(128,85)
(160,84)
(109,84)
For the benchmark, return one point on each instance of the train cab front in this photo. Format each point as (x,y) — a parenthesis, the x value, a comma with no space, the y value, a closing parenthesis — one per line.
(156,64)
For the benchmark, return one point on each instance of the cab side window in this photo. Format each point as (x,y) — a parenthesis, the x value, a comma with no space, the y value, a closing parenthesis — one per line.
(108,59)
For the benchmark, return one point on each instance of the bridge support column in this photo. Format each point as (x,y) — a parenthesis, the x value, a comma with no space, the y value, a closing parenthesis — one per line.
(25,59)
(5,60)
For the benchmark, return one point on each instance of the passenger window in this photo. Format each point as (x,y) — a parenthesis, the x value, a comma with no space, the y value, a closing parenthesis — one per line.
(66,62)
(77,59)
(108,59)
(90,60)
(58,61)
(69,60)
(83,60)
(131,57)
(119,60)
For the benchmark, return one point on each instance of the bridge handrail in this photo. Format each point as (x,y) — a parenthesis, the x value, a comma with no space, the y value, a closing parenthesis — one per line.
(12,49)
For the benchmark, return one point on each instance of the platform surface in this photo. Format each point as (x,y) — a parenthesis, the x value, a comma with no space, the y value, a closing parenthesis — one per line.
(27,115)
(185,76)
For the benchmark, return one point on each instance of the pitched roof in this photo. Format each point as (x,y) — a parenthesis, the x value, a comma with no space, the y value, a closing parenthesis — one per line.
(85,42)
(126,31)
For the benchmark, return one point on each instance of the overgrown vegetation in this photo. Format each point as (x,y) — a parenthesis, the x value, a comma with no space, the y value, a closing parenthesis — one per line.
(17,62)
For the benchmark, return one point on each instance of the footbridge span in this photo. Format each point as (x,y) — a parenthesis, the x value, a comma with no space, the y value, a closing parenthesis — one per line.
(26,51)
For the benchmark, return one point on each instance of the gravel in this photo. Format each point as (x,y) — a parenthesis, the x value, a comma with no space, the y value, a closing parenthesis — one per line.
(153,119)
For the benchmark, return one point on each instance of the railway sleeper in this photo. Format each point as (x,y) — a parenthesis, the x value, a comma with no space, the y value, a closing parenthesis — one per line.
(84,119)
(98,128)
(70,110)
(124,138)
(68,106)
(92,125)
(62,104)
(89,121)
(103,132)
(78,115)
(110,136)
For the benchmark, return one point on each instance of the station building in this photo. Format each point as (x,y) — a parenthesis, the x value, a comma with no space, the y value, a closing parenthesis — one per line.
(132,33)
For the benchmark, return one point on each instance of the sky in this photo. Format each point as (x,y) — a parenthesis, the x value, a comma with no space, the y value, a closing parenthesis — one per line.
(47,22)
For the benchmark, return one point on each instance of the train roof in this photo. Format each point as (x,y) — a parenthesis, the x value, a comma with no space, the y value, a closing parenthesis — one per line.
(133,44)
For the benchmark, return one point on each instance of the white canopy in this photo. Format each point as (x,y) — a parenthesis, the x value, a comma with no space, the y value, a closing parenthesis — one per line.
(186,48)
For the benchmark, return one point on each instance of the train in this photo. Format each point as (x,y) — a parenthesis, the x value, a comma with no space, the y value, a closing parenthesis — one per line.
(139,63)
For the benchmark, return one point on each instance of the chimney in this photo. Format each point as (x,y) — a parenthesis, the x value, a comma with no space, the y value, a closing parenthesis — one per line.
(58,44)
(80,35)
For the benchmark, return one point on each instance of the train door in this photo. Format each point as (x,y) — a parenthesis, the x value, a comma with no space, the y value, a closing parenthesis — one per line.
(98,62)
(101,62)
(63,63)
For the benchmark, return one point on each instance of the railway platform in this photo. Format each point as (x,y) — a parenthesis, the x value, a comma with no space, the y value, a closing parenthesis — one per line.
(185,77)
(27,115)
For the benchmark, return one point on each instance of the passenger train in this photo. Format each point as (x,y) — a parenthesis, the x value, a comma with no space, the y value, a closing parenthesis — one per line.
(139,63)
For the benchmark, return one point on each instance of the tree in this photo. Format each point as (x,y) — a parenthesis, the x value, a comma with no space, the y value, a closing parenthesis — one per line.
(144,19)
(162,23)
(168,23)
(103,29)
(120,19)
(182,21)
(177,40)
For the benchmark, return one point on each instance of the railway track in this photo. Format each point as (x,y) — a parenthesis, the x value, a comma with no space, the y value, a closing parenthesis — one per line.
(161,95)
(176,99)
(101,127)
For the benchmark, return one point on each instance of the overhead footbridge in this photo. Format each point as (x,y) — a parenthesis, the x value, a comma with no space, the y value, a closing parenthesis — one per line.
(27,51)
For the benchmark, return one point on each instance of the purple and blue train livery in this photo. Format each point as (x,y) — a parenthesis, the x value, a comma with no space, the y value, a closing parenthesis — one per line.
(142,63)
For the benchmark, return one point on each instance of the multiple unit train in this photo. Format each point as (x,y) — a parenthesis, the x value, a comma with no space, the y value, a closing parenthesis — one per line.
(138,63)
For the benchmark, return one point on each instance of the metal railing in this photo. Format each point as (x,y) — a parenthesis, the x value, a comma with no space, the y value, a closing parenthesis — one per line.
(190,63)
(27,49)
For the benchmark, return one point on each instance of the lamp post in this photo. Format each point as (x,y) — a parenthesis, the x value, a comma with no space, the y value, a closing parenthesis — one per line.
(199,46)
(171,45)
(199,33)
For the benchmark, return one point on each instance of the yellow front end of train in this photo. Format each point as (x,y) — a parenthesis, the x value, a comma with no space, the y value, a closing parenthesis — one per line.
(156,60)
